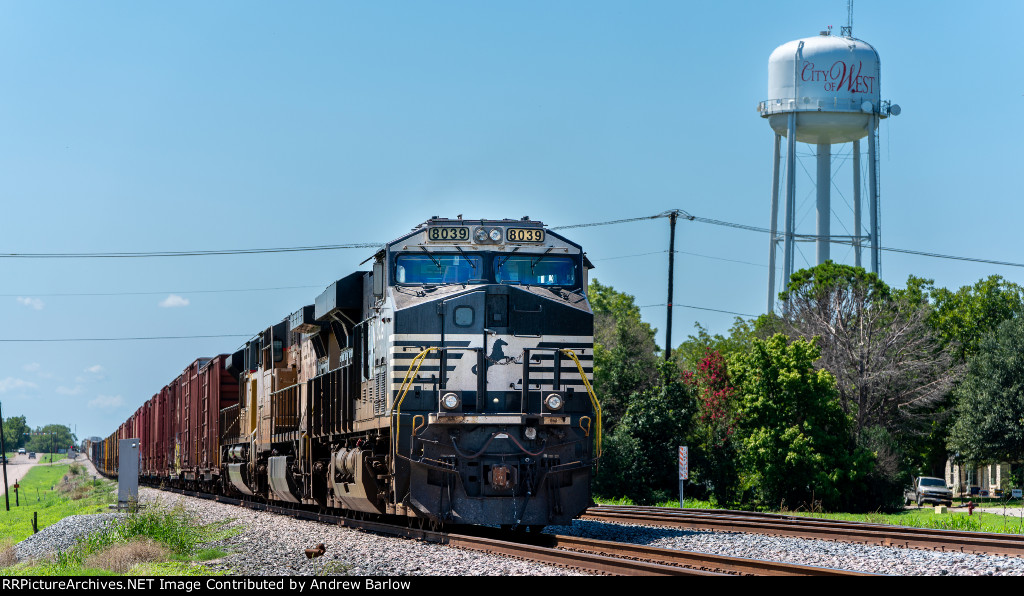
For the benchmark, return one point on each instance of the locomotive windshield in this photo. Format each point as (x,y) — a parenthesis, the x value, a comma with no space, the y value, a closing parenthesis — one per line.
(466,268)
(537,270)
(439,269)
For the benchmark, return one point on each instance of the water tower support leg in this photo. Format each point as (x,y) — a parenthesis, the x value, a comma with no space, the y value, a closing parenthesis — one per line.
(788,256)
(774,223)
(856,204)
(873,182)
(824,181)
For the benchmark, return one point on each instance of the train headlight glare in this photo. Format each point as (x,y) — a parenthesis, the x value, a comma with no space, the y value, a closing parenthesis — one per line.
(530,432)
(450,401)
(553,401)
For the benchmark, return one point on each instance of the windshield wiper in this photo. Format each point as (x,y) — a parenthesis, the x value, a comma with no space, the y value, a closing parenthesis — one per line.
(436,262)
(468,260)
(538,259)
(503,259)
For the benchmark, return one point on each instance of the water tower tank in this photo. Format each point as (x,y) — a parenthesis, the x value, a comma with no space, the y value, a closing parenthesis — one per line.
(824,91)
(831,82)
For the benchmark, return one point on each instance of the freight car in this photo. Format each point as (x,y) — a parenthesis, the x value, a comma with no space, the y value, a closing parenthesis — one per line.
(449,384)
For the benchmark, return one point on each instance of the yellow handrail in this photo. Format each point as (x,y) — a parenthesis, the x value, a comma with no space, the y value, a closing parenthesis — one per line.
(417,362)
(410,375)
(590,392)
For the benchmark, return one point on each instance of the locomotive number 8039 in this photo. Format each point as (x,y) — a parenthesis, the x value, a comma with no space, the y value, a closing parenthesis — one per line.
(450,384)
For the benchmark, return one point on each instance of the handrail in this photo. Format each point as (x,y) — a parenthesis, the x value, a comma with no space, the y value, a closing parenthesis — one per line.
(410,375)
(417,362)
(590,391)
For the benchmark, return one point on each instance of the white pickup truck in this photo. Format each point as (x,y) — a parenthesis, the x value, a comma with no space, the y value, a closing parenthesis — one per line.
(929,490)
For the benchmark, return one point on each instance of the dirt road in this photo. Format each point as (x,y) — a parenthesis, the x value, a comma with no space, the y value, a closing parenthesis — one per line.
(17,467)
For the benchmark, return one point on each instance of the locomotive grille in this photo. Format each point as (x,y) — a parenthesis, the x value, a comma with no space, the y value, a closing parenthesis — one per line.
(380,393)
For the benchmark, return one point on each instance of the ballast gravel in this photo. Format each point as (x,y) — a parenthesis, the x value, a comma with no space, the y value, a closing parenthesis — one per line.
(269,544)
(819,553)
(62,535)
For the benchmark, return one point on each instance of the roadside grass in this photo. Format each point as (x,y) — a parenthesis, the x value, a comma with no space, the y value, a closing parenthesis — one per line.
(42,491)
(153,540)
(956,518)
(925,517)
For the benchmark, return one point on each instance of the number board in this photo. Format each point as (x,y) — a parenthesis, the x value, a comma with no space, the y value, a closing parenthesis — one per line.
(524,235)
(448,234)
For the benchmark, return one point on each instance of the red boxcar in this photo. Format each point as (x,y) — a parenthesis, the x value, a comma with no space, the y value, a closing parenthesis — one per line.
(188,436)
(217,390)
(195,400)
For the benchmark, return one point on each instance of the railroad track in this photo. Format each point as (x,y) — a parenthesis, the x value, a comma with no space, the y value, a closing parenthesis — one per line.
(803,527)
(583,554)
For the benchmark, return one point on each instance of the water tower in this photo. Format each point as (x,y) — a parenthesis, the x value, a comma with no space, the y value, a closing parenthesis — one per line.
(823,91)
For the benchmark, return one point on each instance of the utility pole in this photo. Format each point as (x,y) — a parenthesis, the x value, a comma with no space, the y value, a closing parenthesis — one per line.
(3,452)
(671,271)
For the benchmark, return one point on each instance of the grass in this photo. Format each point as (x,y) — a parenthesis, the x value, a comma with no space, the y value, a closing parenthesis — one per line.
(42,492)
(923,517)
(155,540)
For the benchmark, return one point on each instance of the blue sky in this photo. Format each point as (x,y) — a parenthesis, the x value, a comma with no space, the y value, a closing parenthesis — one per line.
(128,126)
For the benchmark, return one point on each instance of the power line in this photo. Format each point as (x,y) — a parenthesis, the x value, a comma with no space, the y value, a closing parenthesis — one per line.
(159,293)
(742,314)
(74,339)
(679,212)
(738,226)
(191,253)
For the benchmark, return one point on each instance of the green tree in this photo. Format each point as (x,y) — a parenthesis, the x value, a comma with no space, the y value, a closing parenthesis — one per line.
(715,458)
(51,438)
(989,403)
(962,318)
(640,455)
(695,348)
(15,428)
(796,447)
(625,354)
(890,367)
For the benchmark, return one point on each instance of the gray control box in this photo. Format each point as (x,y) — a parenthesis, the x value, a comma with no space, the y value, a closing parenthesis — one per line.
(127,471)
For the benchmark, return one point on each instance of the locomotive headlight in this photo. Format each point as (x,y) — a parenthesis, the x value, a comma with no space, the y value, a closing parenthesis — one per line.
(450,401)
(553,401)
(530,432)
(495,235)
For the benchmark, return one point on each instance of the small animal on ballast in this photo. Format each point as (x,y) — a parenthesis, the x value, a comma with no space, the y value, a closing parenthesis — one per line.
(312,553)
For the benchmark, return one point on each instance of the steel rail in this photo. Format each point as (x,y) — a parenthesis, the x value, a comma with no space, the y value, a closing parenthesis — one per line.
(801,527)
(731,565)
(583,554)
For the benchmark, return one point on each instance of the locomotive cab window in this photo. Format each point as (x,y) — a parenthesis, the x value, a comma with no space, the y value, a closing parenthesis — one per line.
(535,270)
(439,268)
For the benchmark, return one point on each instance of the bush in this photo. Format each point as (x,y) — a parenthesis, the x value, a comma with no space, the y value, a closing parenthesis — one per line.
(119,558)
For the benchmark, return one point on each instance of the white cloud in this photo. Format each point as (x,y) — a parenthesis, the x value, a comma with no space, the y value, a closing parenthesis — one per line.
(31,302)
(10,384)
(96,368)
(72,391)
(173,301)
(32,367)
(107,401)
